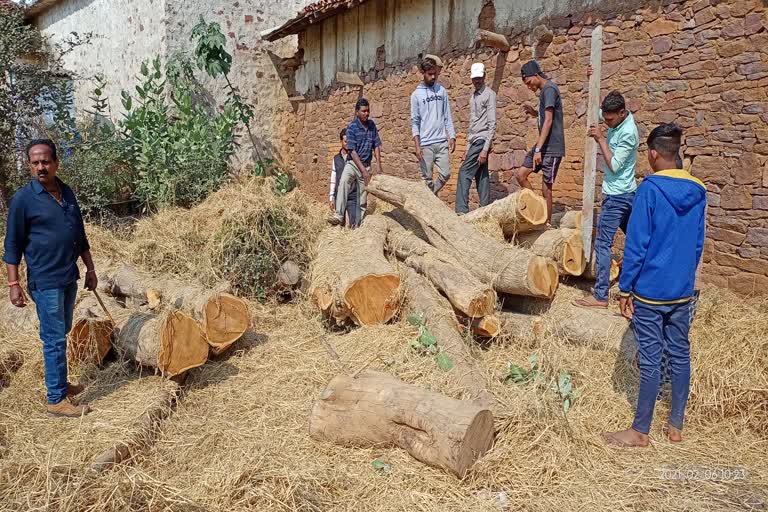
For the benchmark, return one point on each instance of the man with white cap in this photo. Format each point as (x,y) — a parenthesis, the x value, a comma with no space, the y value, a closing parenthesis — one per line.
(482,128)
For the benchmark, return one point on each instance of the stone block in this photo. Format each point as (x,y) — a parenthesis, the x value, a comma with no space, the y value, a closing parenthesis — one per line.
(757,237)
(755,266)
(748,284)
(754,23)
(728,223)
(661,45)
(724,235)
(760,203)
(735,197)
(710,169)
(661,27)
(753,69)
(637,48)
(713,199)
(704,16)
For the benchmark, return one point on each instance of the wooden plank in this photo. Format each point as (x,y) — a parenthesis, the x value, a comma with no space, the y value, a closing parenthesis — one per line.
(349,78)
(590,147)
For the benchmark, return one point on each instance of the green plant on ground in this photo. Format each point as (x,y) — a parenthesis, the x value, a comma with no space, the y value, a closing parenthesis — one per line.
(564,389)
(426,343)
(561,387)
(520,375)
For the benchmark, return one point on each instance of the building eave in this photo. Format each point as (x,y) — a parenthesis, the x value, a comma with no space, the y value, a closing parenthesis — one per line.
(310,15)
(39,7)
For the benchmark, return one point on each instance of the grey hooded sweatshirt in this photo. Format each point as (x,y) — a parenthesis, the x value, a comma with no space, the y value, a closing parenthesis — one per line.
(431,115)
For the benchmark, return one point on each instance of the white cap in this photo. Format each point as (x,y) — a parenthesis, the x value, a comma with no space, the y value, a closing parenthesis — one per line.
(477,71)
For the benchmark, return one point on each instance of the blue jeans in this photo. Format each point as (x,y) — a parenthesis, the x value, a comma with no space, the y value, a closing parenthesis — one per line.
(614,215)
(666,376)
(55,307)
(662,328)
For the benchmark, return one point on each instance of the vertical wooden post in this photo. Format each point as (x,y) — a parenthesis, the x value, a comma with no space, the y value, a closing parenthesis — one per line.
(590,147)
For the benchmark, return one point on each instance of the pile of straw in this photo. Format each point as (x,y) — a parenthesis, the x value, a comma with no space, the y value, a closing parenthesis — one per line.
(238,439)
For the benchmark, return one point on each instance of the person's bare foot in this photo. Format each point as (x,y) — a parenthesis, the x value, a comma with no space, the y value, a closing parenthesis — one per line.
(629,438)
(674,434)
(590,302)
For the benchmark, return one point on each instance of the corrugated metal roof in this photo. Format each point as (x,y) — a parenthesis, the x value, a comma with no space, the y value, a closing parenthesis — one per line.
(312,13)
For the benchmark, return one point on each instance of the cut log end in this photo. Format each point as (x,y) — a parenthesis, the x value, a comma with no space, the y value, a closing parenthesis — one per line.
(90,340)
(532,210)
(225,320)
(183,345)
(482,305)
(487,326)
(375,298)
(573,260)
(477,441)
(542,277)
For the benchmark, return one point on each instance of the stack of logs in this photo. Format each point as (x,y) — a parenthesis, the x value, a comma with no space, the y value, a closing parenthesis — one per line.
(449,273)
(162,323)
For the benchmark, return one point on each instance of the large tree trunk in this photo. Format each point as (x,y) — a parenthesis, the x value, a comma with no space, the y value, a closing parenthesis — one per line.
(520,211)
(172,342)
(507,268)
(560,245)
(440,319)
(90,339)
(352,278)
(223,316)
(377,409)
(464,290)
(570,220)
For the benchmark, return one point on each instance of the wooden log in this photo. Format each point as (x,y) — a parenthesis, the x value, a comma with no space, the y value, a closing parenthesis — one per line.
(377,409)
(144,432)
(591,270)
(492,39)
(519,212)
(560,245)
(10,361)
(570,220)
(507,268)
(520,325)
(438,316)
(224,317)
(590,146)
(486,326)
(90,339)
(462,288)
(351,277)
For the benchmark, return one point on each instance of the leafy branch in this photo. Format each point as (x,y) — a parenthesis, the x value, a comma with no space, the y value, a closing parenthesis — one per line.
(426,343)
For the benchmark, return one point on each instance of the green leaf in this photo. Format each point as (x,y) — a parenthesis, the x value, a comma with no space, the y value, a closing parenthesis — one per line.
(444,361)
(426,338)
(564,383)
(533,361)
(379,465)
(516,374)
(415,320)
(144,69)
(566,405)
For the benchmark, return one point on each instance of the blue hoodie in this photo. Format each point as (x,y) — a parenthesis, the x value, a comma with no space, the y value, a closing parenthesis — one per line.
(431,115)
(665,238)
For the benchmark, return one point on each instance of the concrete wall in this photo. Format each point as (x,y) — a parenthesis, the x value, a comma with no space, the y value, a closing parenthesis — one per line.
(701,64)
(124,34)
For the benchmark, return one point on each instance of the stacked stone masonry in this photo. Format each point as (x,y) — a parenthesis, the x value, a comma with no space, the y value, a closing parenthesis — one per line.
(702,64)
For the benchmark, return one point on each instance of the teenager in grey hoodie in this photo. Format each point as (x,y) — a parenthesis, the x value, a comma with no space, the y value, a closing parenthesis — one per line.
(432,127)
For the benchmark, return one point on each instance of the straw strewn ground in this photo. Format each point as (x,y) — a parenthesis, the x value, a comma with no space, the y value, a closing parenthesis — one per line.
(238,439)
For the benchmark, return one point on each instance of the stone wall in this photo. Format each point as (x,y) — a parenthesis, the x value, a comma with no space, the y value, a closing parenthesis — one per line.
(702,64)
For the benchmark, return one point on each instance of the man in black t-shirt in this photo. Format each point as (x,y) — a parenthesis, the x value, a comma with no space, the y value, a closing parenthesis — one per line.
(549,150)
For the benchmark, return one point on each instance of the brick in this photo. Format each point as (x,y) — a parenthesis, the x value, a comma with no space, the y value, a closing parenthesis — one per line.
(736,197)
(661,45)
(724,235)
(661,27)
(757,237)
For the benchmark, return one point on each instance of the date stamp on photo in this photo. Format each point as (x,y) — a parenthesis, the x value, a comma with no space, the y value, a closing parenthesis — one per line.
(715,474)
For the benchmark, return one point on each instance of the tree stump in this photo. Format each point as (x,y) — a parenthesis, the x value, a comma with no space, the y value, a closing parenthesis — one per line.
(376,409)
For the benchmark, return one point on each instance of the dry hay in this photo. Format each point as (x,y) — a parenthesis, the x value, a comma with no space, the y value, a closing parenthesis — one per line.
(242,233)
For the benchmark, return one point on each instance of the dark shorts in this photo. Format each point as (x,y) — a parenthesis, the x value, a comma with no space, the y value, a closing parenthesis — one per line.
(549,166)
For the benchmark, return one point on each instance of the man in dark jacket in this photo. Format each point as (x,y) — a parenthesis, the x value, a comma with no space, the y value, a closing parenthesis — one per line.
(665,239)
(46,228)
(337,168)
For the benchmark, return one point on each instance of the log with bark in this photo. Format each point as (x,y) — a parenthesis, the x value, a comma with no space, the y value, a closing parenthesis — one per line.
(90,339)
(487,326)
(570,219)
(560,245)
(508,269)
(352,278)
(172,342)
(519,212)
(464,290)
(224,317)
(439,318)
(591,270)
(376,409)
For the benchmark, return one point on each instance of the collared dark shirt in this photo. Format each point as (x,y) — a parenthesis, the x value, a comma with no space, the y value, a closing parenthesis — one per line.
(362,140)
(51,237)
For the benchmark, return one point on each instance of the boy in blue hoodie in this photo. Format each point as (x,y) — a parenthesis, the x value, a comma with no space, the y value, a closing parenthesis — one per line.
(665,238)
(432,127)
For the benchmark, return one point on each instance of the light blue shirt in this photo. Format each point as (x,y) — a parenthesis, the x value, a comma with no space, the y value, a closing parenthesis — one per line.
(623,142)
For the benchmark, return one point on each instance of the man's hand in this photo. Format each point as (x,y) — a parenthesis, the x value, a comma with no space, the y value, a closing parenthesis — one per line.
(530,110)
(381,168)
(483,157)
(626,307)
(452,145)
(419,153)
(596,133)
(536,159)
(91,281)
(366,177)
(18,298)
(332,205)
(589,71)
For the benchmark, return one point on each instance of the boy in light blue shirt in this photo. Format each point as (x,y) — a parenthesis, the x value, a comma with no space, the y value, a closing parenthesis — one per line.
(619,150)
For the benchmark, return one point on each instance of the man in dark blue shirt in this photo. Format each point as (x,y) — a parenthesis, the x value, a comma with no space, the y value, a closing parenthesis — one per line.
(363,142)
(45,226)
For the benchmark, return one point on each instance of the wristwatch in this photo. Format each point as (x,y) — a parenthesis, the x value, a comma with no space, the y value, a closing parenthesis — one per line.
(537,149)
